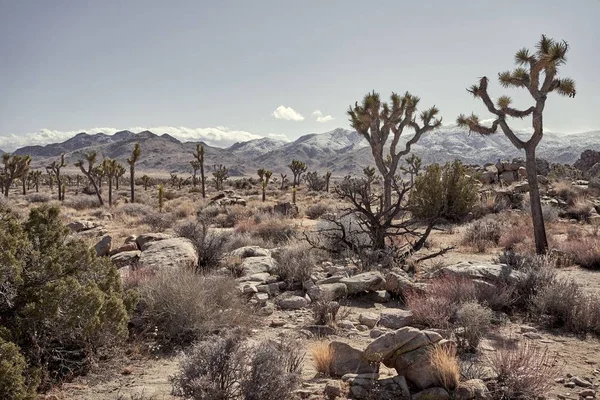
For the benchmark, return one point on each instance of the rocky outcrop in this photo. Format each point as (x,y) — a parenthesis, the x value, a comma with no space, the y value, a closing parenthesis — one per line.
(103,246)
(348,360)
(227,198)
(494,273)
(168,254)
(587,160)
(143,241)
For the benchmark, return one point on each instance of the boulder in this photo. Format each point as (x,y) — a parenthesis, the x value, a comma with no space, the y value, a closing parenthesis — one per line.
(509,177)
(395,319)
(473,389)
(365,282)
(257,265)
(395,388)
(126,258)
(143,241)
(128,246)
(169,253)
(397,281)
(437,393)
(103,246)
(368,319)
(416,367)
(348,360)
(81,226)
(386,348)
(250,251)
(328,291)
(488,272)
(289,301)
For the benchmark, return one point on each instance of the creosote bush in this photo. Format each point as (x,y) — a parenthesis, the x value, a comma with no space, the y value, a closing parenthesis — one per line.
(475,320)
(483,233)
(295,263)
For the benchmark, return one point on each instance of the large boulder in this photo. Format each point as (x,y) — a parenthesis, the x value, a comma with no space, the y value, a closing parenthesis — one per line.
(365,282)
(143,241)
(587,160)
(386,348)
(395,319)
(169,254)
(126,258)
(257,265)
(289,301)
(81,226)
(348,360)
(398,282)
(488,272)
(327,291)
(473,389)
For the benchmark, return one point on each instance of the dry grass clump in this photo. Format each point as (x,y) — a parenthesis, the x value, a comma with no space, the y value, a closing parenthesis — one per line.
(135,209)
(295,263)
(566,192)
(580,209)
(517,237)
(269,229)
(524,372)
(445,366)
(38,198)
(483,233)
(209,244)
(316,210)
(82,202)
(181,307)
(230,216)
(584,251)
(322,356)
(159,222)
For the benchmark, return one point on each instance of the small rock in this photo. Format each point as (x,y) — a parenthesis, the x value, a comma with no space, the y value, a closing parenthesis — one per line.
(436,393)
(332,389)
(587,392)
(395,319)
(376,332)
(368,319)
(291,302)
(345,324)
(581,382)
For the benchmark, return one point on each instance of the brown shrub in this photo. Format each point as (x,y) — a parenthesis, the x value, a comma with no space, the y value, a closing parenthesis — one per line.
(269,229)
(475,320)
(583,251)
(316,210)
(483,233)
(580,209)
(295,263)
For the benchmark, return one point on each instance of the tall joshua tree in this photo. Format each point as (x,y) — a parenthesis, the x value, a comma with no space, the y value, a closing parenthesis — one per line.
(35,177)
(25,173)
(111,169)
(199,156)
(195,167)
(90,160)
(537,72)
(265,176)
(298,168)
(15,167)
(135,155)
(120,172)
(376,121)
(54,169)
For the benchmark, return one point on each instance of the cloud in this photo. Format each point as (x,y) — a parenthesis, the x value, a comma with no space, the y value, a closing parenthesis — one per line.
(219,136)
(287,113)
(278,136)
(322,118)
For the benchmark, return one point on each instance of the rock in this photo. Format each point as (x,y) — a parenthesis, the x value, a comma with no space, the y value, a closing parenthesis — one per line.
(250,251)
(587,392)
(397,281)
(395,319)
(286,208)
(377,332)
(473,389)
(103,246)
(587,160)
(415,366)
(581,382)
(320,330)
(436,393)
(256,279)
(328,291)
(395,388)
(532,335)
(257,265)
(332,389)
(521,187)
(143,241)
(368,319)
(126,258)
(266,310)
(130,246)
(348,360)
(380,296)
(489,272)
(81,226)
(168,254)
(365,282)
(289,301)
(392,344)
(345,324)
(509,176)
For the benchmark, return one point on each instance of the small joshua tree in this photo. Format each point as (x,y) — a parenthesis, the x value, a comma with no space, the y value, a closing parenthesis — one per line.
(195,167)
(161,197)
(220,174)
(327,179)
(264,176)
(537,72)
(146,181)
(298,168)
(135,155)
(110,168)
(120,172)
(35,177)
(90,160)
(283,181)
(199,156)
(54,169)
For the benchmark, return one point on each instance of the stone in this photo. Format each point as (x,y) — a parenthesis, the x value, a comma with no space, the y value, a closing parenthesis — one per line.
(250,251)
(103,246)
(126,258)
(365,282)
(368,319)
(488,272)
(169,254)
(395,319)
(257,265)
(379,296)
(81,226)
(143,241)
(129,246)
(587,392)
(289,301)
(473,389)
(436,393)
(377,332)
(345,324)
(286,208)
(332,389)
(581,382)
(532,335)
(348,360)
(509,176)
(392,344)
(328,291)
(398,281)
(415,366)
(257,279)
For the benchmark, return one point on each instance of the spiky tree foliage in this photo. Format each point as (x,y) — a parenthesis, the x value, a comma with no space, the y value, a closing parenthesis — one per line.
(15,167)
(87,167)
(25,173)
(283,181)
(35,178)
(298,168)
(327,179)
(537,72)
(135,155)
(195,167)
(376,121)
(199,156)
(264,175)
(369,173)
(120,172)
(413,166)
(220,174)
(54,169)
(146,180)
(174,178)
(111,168)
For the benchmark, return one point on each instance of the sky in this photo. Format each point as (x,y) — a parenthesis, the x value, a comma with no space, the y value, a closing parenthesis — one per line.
(231,71)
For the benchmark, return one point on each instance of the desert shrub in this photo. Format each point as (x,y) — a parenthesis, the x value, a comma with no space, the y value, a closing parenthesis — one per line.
(51,280)
(566,192)
(209,244)
(16,382)
(171,195)
(212,369)
(38,198)
(325,311)
(295,263)
(517,236)
(159,222)
(183,307)
(315,182)
(322,355)
(537,272)
(270,229)
(580,209)
(475,320)
(430,311)
(583,251)
(524,372)
(443,192)
(231,216)
(82,202)
(483,233)
(445,366)
(135,209)
(316,210)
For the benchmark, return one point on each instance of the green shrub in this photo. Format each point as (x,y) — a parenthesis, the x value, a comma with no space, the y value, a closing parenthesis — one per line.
(16,383)
(443,192)
(51,280)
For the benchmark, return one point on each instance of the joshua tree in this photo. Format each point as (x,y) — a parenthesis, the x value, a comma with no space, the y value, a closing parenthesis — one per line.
(146,181)
(35,177)
(54,169)
(174,179)
(98,173)
(120,172)
(283,181)
(90,160)
(537,73)
(298,168)
(265,176)
(220,174)
(199,156)
(369,176)
(15,167)
(327,179)
(135,155)
(376,121)
(413,166)
(161,197)
(25,173)
(195,167)
(111,168)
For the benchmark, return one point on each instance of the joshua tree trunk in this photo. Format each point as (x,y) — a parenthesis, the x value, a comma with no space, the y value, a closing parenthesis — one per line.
(539,229)
(203,179)
(132,181)
(24,181)
(110,185)
(59,184)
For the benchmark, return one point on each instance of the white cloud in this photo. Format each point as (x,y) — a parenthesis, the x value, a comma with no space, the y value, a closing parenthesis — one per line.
(219,136)
(322,118)
(278,136)
(287,113)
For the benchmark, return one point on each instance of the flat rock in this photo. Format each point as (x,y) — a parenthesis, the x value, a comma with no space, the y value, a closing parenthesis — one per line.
(81,226)
(288,301)
(129,246)
(168,254)
(396,319)
(365,282)
(143,241)
(488,272)
(328,291)
(126,258)
(368,319)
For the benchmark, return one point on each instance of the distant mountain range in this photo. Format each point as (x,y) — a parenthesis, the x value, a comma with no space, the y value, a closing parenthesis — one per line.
(340,151)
